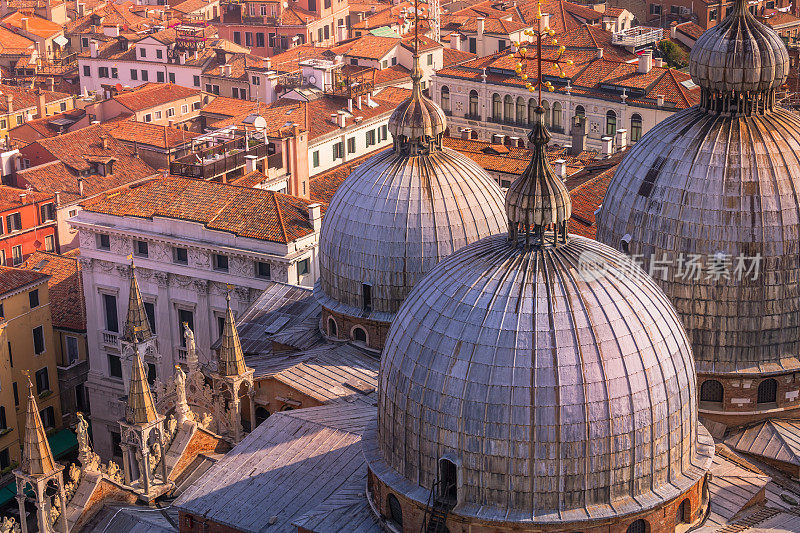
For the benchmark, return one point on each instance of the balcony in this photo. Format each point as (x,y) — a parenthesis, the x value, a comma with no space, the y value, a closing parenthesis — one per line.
(637,37)
(220,159)
(182,354)
(109,339)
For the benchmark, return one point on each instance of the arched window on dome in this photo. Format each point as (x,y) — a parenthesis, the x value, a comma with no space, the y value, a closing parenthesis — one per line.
(445,93)
(711,391)
(520,118)
(395,511)
(611,123)
(359,334)
(332,329)
(636,127)
(768,391)
(366,297)
(684,513)
(638,526)
(555,123)
(448,480)
(532,110)
(497,108)
(508,108)
(473,104)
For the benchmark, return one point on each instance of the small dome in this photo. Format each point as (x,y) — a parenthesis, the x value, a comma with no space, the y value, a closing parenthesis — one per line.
(739,55)
(394,218)
(560,396)
(417,118)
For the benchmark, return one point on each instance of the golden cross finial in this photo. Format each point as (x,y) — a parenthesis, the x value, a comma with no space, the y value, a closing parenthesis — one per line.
(521,55)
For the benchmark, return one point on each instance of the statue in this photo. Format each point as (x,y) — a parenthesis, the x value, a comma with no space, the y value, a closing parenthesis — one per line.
(9,525)
(191,354)
(82,431)
(172,426)
(181,406)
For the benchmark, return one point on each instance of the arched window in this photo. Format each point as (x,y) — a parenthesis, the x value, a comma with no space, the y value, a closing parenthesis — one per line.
(520,111)
(556,120)
(532,110)
(395,511)
(497,108)
(546,107)
(768,391)
(332,329)
(359,334)
(508,108)
(711,391)
(448,477)
(639,526)
(445,99)
(611,123)
(683,515)
(636,127)
(473,103)
(580,111)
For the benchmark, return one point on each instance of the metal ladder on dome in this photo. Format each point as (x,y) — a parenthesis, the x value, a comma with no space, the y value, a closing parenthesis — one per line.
(438,507)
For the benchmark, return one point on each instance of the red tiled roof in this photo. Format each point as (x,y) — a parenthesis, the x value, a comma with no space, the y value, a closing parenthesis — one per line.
(67,306)
(253,213)
(12,197)
(36,25)
(451,56)
(690,29)
(150,134)
(151,95)
(395,95)
(12,279)
(11,42)
(24,98)
(586,199)
(324,185)
(367,46)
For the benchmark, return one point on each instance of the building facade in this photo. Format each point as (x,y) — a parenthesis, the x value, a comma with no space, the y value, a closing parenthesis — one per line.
(28,224)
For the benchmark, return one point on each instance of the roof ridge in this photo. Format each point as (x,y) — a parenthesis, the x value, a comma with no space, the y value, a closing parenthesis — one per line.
(679,85)
(280,216)
(795,450)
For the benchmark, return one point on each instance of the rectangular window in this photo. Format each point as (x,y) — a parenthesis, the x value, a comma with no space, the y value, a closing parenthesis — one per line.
(134,74)
(49,243)
(85,42)
(371,138)
(16,393)
(237,37)
(473,45)
(260,39)
(171,112)
(140,248)
(16,255)
(160,77)
(263,270)
(351,145)
(196,81)
(151,373)
(102,72)
(172,77)
(116,440)
(150,311)
(87,70)
(221,262)
(248,38)
(14,222)
(256,80)
(5,459)
(103,242)
(319,34)
(315,159)
(3,419)
(327,32)
(338,148)
(184,109)
(430,59)
(655,9)
(33,298)
(221,324)
(114,72)
(184,316)
(42,381)
(366,296)
(38,340)
(302,267)
(110,308)
(48,417)
(159,53)
(142,52)
(114,366)
(209,88)
(157,115)
(72,350)
(180,256)
(272,39)
(48,212)
(235,92)
(243,94)
(145,75)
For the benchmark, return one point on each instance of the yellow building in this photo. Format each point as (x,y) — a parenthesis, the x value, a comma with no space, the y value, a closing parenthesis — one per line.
(9,430)
(30,348)
(19,105)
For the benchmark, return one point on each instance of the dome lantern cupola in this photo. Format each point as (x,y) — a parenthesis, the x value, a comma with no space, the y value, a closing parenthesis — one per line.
(739,64)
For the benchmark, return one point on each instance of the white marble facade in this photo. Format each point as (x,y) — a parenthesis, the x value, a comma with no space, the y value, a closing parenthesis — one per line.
(172,291)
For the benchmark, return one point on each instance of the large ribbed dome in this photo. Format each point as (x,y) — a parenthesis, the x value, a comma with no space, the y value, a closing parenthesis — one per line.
(562,397)
(739,55)
(394,218)
(718,186)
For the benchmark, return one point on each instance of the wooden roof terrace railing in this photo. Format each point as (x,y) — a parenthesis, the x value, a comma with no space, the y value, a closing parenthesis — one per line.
(218,159)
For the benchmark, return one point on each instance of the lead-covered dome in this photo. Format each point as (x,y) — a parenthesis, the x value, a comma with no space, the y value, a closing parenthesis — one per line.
(739,55)
(563,392)
(709,199)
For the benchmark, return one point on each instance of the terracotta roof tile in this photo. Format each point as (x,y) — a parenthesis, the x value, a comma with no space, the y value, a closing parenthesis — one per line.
(12,197)
(67,305)
(152,95)
(150,134)
(12,279)
(586,199)
(36,25)
(246,212)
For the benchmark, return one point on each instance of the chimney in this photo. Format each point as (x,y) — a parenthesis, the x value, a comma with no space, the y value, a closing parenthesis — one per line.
(10,103)
(268,63)
(315,216)
(81,7)
(606,144)
(80,186)
(645,62)
(658,62)
(579,135)
(660,100)
(58,198)
(455,41)
(599,53)
(341,119)
(250,163)
(24,23)
(40,104)
(498,138)
(481,27)
(104,142)
(93,48)
(22,197)
(560,167)
(335,118)
(622,139)
(182,58)
(358,102)
(298,163)
(466,133)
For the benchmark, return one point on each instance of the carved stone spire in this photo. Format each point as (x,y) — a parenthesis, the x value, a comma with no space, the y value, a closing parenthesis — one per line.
(538,200)
(141,408)
(137,327)
(37,459)
(230,358)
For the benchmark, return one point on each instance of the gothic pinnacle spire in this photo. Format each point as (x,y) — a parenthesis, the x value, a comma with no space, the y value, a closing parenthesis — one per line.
(230,359)
(137,326)
(37,459)
(141,408)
